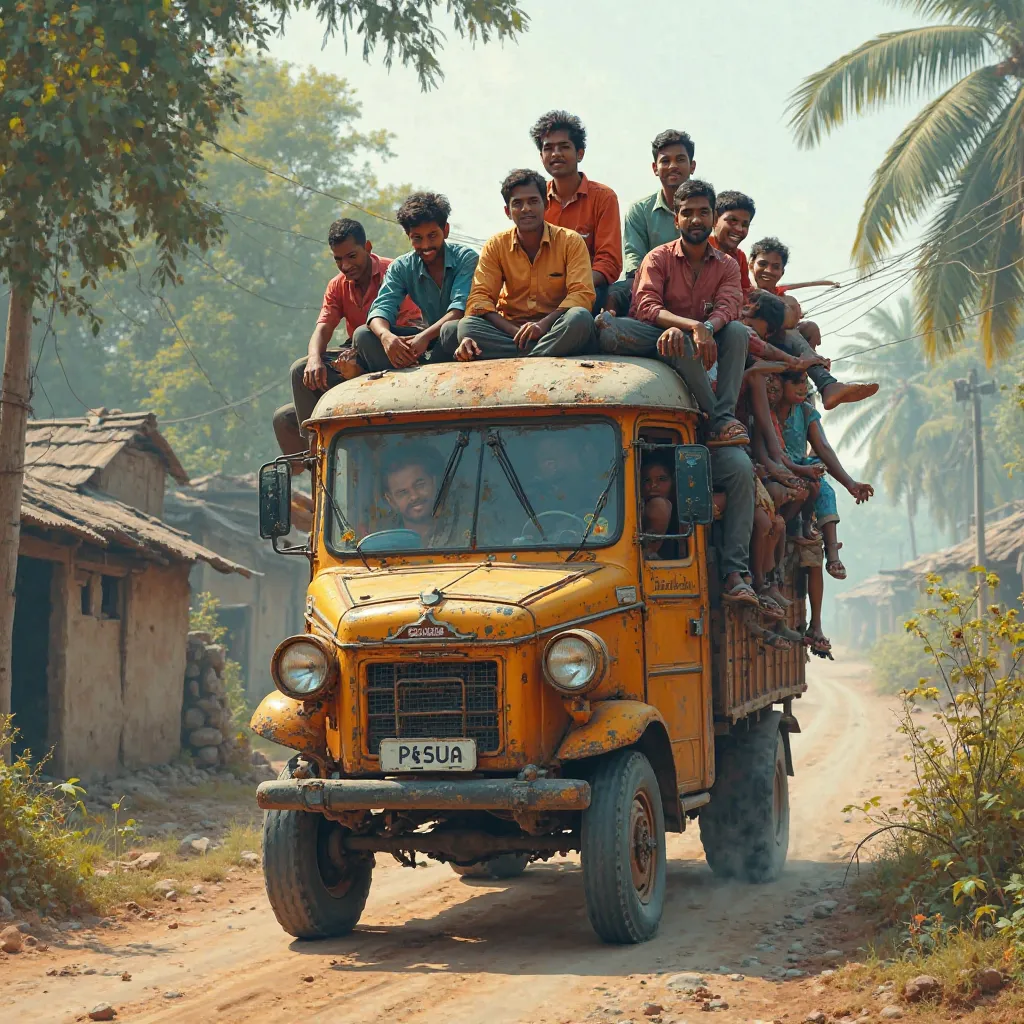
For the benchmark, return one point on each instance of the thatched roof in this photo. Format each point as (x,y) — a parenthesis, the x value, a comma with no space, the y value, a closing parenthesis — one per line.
(73,451)
(106,523)
(1004,544)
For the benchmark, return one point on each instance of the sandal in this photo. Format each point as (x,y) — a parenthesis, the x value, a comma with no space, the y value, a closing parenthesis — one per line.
(733,434)
(834,567)
(741,593)
(769,638)
(820,644)
(770,608)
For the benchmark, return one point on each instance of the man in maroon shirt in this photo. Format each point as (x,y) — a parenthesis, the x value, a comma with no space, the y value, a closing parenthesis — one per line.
(686,306)
(348,297)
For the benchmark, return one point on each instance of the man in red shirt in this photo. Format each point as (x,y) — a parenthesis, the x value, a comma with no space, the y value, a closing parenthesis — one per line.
(733,213)
(348,297)
(574,201)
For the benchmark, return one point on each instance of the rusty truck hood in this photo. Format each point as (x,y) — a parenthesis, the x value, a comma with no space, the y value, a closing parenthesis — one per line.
(488,602)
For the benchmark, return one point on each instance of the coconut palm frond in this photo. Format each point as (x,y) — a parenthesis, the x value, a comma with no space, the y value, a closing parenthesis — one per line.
(895,66)
(926,160)
(995,15)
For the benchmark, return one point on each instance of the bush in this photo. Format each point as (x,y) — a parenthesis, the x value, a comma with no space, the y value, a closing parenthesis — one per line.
(899,663)
(43,859)
(957,842)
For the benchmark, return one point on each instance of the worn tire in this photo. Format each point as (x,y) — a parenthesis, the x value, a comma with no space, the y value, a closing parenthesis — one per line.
(508,865)
(623,849)
(745,827)
(310,896)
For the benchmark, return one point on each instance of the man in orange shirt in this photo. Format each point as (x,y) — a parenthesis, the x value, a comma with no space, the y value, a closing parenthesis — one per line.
(348,297)
(576,202)
(533,290)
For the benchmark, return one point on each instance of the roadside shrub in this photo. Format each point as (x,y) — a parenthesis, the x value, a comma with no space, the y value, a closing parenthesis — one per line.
(42,856)
(957,843)
(898,662)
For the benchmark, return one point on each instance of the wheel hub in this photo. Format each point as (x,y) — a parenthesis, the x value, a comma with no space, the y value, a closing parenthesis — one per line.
(643,847)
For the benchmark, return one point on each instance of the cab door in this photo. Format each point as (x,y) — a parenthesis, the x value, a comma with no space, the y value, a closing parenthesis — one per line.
(676,629)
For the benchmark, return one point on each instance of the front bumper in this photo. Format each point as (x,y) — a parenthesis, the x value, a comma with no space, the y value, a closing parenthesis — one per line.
(331,795)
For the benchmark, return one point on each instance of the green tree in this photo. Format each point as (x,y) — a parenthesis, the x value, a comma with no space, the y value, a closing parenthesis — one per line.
(964,151)
(246,307)
(105,110)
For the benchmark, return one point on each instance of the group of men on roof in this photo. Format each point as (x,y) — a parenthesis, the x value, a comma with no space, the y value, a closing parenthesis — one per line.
(553,285)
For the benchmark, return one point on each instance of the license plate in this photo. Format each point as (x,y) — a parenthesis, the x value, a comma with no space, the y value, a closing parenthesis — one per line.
(427,755)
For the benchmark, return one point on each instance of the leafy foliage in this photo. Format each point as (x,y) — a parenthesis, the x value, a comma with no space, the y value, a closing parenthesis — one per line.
(964,150)
(41,863)
(898,663)
(246,308)
(959,835)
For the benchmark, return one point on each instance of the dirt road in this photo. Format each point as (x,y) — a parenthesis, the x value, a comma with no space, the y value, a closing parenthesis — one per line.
(431,947)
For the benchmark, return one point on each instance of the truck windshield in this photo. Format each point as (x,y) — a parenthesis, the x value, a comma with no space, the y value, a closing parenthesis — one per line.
(475,487)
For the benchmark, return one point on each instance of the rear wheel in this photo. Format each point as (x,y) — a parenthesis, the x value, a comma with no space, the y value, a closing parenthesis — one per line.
(745,827)
(623,849)
(315,888)
(508,865)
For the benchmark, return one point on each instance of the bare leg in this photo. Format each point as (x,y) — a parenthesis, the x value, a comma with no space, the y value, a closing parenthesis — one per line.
(833,564)
(760,546)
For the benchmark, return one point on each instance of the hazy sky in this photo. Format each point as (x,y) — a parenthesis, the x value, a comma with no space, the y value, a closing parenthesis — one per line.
(721,71)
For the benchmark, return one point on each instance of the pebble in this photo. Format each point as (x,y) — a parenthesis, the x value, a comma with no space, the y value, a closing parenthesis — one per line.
(173,925)
(653,1009)
(815,1017)
(793,972)
(147,861)
(989,980)
(796,947)
(765,947)
(89,970)
(173,994)
(890,1013)
(197,890)
(102,1011)
(832,955)
(717,1004)
(750,961)
(826,908)
(6,910)
(736,977)
(250,858)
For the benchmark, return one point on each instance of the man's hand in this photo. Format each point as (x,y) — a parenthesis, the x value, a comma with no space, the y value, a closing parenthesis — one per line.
(528,333)
(862,492)
(347,365)
(815,471)
(400,351)
(467,351)
(672,342)
(807,362)
(314,377)
(707,348)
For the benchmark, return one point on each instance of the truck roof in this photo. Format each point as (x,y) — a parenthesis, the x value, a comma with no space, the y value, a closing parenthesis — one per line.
(509,384)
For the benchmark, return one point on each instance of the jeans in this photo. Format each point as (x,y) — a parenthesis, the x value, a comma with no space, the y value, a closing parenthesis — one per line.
(732,472)
(569,335)
(625,336)
(287,418)
(797,345)
(371,352)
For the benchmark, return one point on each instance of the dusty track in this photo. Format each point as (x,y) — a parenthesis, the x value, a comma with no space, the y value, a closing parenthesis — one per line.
(433,948)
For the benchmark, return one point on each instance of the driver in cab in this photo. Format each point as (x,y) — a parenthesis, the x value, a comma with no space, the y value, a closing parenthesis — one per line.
(411,477)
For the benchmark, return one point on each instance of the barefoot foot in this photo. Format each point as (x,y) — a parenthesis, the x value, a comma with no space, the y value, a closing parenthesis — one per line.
(840,394)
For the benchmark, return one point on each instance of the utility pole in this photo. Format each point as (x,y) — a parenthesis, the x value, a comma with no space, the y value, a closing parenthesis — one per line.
(971,391)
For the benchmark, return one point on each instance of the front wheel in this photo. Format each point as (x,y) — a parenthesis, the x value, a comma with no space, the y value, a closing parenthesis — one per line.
(623,849)
(508,865)
(315,888)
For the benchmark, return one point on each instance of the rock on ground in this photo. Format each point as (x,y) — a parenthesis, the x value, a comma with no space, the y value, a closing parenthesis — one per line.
(989,980)
(102,1011)
(924,986)
(890,1013)
(11,939)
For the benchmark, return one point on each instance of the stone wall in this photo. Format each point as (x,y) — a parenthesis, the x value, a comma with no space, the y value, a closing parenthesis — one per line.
(206,728)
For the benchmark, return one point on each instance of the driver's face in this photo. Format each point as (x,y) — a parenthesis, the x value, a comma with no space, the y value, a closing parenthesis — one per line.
(656,483)
(411,492)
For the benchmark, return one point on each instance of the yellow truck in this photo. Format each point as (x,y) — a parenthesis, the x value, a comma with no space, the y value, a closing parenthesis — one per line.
(499,665)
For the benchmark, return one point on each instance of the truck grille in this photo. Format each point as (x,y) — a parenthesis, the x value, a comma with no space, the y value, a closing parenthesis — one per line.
(450,700)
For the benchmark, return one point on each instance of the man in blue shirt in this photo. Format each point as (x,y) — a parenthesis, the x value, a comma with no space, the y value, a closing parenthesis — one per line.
(436,275)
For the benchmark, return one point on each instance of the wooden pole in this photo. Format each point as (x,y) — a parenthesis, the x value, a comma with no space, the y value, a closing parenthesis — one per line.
(14,399)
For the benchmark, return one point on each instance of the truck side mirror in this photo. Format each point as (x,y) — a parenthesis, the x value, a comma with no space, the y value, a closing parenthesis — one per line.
(693,485)
(275,500)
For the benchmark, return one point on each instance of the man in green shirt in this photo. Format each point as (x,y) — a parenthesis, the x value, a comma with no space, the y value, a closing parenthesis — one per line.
(651,222)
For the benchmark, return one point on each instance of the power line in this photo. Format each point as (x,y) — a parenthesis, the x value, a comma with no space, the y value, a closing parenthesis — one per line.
(241,287)
(232,405)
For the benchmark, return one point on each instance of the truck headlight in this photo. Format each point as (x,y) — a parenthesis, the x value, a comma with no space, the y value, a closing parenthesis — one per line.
(303,667)
(575,661)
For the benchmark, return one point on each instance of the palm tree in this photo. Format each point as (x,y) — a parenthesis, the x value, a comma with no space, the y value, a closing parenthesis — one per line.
(887,427)
(964,150)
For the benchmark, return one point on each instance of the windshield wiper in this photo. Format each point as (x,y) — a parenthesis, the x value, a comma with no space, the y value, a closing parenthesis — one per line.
(497,445)
(449,472)
(345,525)
(599,506)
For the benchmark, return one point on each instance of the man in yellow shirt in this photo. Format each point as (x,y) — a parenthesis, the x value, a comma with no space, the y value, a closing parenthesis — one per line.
(533,288)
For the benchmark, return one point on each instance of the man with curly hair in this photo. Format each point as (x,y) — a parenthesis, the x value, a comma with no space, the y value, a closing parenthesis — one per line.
(576,202)
(436,275)
(533,288)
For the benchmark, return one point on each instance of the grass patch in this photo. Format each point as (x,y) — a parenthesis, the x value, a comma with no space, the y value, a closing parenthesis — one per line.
(105,893)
